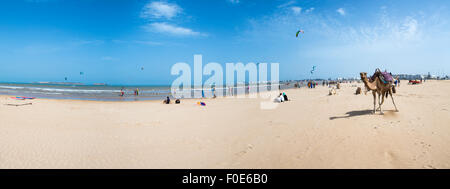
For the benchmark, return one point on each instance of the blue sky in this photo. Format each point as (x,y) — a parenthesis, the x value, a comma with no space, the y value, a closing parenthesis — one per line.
(110,40)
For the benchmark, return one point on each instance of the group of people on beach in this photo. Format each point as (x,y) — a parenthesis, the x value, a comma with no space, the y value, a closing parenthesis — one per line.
(167,101)
(281,98)
(312,84)
(122,92)
(213,92)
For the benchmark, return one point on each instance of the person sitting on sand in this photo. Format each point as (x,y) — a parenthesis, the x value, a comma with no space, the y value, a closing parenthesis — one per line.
(122,93)
(285,97)
(167,101)
(279,99)
(282,97)
(177,101)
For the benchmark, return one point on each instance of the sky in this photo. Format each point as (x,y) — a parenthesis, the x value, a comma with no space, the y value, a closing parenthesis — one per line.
(111,40)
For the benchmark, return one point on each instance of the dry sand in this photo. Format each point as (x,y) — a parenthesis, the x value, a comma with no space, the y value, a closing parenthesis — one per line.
(313,130)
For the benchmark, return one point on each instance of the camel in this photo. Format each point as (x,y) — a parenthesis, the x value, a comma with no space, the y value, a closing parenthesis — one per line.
(358,91)
(366,90)
(332,91)
(380,88)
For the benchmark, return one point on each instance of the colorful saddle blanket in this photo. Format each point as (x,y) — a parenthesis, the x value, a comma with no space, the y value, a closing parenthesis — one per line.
(387,77)
(384,76)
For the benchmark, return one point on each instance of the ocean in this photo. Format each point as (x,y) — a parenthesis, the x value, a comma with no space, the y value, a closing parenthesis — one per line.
(104,92)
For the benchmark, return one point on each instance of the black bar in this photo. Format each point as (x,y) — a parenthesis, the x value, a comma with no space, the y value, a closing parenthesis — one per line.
(278,177)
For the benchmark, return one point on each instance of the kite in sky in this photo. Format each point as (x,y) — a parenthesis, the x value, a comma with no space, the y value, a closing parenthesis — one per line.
(299,31)
(313,69)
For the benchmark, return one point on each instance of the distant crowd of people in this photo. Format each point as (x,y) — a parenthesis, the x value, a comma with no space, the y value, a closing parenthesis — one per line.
(281,98)
(122,92)
(312,84)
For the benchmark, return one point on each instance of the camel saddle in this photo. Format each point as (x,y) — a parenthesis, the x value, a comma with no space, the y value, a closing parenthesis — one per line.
(385,77)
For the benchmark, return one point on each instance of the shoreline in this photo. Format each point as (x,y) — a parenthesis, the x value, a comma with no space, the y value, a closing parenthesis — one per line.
(144,99)
(108,93)
(156,95)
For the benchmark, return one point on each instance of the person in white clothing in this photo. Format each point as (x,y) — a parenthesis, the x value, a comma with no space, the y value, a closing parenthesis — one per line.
(279,99)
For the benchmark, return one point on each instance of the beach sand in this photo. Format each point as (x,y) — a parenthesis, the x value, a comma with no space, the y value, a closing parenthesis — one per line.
(313,130)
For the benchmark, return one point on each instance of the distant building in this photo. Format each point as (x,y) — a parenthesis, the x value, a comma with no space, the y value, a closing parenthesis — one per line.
(408,76)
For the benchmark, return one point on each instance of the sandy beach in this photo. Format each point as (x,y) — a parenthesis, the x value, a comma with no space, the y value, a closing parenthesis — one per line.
(313,130)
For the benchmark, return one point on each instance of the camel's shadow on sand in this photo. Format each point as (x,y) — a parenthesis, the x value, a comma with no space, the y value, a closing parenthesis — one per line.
(353,114)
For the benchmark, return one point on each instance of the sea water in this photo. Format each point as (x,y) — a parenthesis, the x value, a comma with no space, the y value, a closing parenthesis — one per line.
(109,93)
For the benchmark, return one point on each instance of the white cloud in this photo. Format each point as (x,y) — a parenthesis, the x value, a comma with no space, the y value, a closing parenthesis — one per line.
(309,10)
(296,10)
(341,11)
(396,31)
(388,29)
(160,9)
(398,42)
(234,1)
(286,4)
(162,16)
(409,28)
(166,28)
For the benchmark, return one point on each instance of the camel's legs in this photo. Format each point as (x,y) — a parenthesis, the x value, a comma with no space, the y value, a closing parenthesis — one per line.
(390,93)
(382,99)
(374,101)
(380,95)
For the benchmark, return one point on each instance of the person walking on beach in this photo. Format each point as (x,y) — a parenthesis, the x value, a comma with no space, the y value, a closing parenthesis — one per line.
(136,92)
(122,93)
(213,90)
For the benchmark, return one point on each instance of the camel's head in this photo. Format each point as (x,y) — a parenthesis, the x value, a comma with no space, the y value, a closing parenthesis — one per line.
(363,75)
